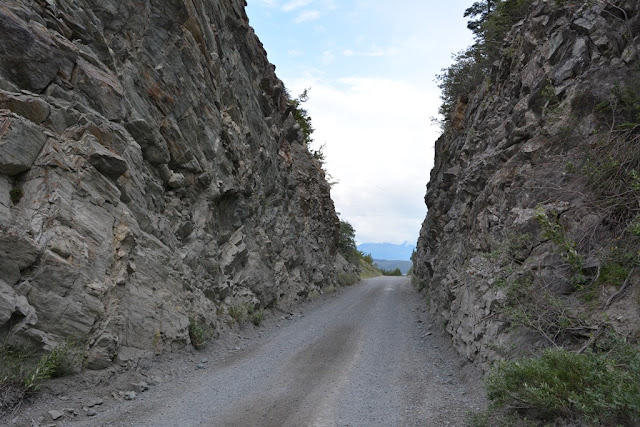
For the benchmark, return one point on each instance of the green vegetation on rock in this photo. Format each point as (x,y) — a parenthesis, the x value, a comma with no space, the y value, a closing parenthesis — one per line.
(199,334)
(490,21)
(22,372)
(597,387)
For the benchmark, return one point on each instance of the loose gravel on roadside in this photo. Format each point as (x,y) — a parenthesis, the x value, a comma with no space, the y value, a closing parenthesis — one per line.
(367,355)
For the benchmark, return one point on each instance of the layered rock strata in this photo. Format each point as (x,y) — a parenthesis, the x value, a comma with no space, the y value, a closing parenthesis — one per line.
(151,175)
(514,187)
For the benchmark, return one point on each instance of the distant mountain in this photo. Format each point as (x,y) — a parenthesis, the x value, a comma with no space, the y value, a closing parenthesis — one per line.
(388,251)
(384,264)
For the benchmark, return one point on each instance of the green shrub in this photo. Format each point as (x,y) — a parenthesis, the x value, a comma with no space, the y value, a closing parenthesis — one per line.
(553,231)
(238,312)
(15,195)
(532,305)
(634,226)
(612,273)
(593,387)
(303,118)
(257,317)
(23,372)
(394,272)
(347,279)
(368,258)
(198,334)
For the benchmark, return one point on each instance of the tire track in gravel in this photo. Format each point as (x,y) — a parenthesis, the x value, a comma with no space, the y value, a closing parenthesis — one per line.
(362,358)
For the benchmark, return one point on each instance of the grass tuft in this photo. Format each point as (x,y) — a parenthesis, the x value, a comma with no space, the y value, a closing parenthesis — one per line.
(198,334)
(22,372)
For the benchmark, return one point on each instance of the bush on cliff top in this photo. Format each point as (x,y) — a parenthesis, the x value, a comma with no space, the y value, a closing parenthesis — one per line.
(490,20)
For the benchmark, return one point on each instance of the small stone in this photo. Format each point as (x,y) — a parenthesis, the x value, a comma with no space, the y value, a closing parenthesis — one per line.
(140,387)
(56,414)
(91,412)
(70,411)
(200,366)
(95,402)
(128,395)
(155,380)
(177,180)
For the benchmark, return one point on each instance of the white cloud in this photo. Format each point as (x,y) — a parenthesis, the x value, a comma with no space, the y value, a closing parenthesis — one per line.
(370,67)
(306,16)
(295,4)
(373,51)
(328,57)
(379,145)
(269,3)
(329,4)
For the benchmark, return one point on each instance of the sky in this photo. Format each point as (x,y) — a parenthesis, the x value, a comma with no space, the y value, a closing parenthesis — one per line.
(370,68)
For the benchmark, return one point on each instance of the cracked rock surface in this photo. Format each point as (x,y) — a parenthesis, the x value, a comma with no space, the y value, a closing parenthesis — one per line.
(519,142)
(151,175)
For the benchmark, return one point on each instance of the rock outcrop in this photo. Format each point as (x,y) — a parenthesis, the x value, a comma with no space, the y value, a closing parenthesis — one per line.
(524,210)
(151,175)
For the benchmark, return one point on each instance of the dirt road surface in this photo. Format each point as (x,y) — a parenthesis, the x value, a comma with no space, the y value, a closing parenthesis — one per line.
(367,356)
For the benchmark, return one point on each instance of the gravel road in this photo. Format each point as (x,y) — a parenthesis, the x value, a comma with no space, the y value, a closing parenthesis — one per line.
(367,356)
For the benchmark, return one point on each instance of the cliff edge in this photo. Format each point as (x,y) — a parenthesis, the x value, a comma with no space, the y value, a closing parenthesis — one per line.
(533,226)
(152,175)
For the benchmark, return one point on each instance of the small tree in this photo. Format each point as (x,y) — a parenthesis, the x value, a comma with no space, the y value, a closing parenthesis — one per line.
(347,243)
(302,116)
(481,10)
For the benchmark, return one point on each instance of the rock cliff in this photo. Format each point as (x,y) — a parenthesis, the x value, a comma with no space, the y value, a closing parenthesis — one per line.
(152,174)
(531,237)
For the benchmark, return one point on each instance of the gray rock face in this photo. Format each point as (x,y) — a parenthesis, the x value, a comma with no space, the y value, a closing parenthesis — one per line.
(512,151)
(20,143)
(161,173)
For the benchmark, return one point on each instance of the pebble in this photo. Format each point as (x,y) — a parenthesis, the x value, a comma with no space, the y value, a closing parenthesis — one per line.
(91,412)
(140,387)
(56,414)
(155,380)
(128,395)
(95,402)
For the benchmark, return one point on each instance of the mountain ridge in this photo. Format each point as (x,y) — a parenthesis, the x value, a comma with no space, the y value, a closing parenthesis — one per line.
(388,251)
